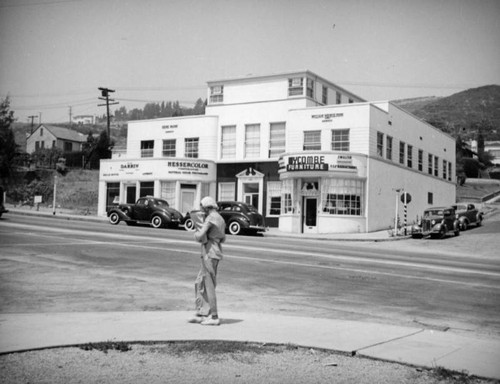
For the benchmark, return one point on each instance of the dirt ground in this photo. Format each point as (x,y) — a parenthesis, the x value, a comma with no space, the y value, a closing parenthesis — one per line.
(209,362)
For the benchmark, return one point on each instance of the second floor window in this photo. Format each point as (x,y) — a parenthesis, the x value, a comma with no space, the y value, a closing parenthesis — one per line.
(340,139)
(312,141)
(191,147)
(420,160)
(380,144)
(217,94)
(276,139)
(409,156)
(147,148)
(338,98)
(388,148)
(436,166)
(429,164)
(168,148)
(310,88)
(401,152)
(252,140)
(324,95)
(228,145)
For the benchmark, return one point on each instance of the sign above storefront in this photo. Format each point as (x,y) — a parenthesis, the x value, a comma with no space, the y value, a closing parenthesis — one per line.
(179,169)
(328,162)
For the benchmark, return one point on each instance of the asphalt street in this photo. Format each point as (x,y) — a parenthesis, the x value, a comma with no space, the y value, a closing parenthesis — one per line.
(51,265)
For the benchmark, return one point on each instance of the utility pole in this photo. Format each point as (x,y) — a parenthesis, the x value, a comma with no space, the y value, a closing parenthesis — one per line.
(31,117)
(105,96)
(70,115)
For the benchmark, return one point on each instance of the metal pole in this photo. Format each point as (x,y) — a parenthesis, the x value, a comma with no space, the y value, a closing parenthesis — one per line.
(396,215)
(54,200)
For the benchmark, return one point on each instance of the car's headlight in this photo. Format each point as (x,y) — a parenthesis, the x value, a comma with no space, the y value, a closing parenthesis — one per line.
(433,222)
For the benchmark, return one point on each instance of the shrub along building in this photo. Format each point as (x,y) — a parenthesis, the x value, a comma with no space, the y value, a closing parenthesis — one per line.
(308,154)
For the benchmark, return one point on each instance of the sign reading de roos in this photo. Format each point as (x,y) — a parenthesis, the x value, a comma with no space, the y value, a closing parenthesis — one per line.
(318,162)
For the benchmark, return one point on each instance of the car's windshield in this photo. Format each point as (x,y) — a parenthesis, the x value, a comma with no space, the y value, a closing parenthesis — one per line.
(434,212)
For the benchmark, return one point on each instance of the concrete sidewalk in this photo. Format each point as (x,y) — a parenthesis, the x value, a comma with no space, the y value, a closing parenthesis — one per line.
(413,346)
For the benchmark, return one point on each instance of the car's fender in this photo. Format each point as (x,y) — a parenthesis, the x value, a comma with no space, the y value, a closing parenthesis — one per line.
(119,212)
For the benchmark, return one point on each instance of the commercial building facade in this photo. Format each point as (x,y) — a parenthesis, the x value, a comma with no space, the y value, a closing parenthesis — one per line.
(309,155)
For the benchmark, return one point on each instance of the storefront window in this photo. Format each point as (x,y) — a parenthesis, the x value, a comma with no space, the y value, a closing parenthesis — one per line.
(273,198)
(113,194)
(226,191)
(147,188)
(168,191)
(287,196)
(342,197)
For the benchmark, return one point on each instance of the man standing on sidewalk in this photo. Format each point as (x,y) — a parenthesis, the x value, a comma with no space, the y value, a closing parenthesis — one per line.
(211,235)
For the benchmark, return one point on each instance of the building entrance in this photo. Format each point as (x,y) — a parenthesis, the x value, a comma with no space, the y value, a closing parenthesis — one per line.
(309,218)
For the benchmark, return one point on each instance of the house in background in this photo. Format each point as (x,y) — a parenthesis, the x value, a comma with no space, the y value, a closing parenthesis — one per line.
(49,136)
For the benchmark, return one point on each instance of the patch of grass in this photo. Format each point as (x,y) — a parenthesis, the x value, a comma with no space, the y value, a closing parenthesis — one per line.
(105,346)
(443,374)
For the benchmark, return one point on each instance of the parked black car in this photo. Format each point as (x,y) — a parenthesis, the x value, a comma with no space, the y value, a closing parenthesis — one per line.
(147,210)
(468,214)
(436,223)
(239,217)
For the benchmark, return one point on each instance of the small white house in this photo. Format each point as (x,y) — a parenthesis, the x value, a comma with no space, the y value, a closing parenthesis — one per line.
(49,136)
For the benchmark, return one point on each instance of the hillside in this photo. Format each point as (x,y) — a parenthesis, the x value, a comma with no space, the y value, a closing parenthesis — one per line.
(461,112)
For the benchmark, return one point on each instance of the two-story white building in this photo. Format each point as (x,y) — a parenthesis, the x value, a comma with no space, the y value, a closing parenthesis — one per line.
(309,155)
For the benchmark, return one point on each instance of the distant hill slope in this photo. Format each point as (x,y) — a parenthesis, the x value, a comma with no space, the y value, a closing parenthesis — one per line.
(461,110)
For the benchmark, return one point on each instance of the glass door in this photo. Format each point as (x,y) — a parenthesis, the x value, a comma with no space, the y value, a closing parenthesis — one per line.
(310,215)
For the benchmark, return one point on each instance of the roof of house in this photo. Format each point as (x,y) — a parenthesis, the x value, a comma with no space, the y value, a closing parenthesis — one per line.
(64,133)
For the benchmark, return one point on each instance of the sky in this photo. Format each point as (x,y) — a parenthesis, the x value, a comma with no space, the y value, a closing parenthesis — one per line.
(54,54)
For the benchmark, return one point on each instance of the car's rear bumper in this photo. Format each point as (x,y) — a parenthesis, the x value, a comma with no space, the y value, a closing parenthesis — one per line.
(258,228)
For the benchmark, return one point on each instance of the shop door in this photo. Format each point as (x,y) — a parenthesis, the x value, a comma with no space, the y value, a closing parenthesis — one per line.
(251,194)
(187,201)
(130,192)
(310,215)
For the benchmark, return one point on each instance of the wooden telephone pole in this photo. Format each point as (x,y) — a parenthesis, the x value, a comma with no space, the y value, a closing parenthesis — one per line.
(105,96)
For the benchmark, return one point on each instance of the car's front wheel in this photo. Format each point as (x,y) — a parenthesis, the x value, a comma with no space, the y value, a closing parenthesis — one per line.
(189,225)
(234,228)
(157,221)
(114,218)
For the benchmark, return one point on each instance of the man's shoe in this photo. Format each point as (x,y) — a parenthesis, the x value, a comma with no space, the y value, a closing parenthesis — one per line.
(196,319)
(210,321)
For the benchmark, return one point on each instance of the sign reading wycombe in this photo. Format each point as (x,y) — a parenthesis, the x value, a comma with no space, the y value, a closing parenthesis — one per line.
(319,162)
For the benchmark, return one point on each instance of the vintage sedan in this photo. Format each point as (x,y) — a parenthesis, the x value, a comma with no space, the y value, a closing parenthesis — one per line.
(467,215)
(437,222)
(147,210)
(239,217)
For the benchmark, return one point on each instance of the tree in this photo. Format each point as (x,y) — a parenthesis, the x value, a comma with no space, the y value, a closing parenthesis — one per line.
(8,146)
(103,146)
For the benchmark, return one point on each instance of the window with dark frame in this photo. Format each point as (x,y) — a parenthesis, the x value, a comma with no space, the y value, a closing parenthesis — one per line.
(420,160)
(429,163)
(388,148)
(409,156)
(401,152)
(324,95)
(147,148)
(380,144)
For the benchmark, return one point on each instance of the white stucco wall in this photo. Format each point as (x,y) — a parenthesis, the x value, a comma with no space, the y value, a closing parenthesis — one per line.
(179,128)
